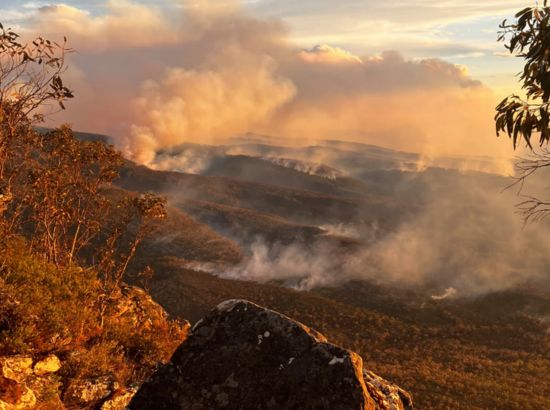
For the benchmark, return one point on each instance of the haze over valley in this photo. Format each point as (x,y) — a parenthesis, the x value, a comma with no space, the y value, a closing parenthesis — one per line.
(324,214)
(437,248)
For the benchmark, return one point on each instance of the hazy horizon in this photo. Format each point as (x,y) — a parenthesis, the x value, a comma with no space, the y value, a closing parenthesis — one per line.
(158,74)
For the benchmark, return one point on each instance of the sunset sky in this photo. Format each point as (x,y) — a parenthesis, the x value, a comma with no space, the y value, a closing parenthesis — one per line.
(461,31)
(187,70)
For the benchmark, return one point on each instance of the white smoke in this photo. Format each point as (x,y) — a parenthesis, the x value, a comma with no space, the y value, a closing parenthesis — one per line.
(305,167)
(466,240)
(449,293)
(190,160)
(342,230)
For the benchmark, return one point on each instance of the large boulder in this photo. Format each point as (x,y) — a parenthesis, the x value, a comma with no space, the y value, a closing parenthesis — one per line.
(243,356)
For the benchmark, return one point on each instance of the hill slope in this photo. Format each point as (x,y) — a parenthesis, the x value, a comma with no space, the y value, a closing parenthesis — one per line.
(487,350)
(438,353)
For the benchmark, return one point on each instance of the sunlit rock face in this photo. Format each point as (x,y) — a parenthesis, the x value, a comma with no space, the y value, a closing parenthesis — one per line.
(243,356)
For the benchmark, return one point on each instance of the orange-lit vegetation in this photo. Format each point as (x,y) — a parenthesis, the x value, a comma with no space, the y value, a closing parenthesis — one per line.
(65,240)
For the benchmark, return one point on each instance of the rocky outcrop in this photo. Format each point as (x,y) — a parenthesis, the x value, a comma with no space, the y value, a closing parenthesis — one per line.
(50,364)
(83,392)
(119,400)
(135,307)
(27,382)
(385,394)
(243,356)
(21,383)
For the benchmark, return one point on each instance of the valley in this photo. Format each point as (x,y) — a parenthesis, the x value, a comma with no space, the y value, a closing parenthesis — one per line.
(305,248)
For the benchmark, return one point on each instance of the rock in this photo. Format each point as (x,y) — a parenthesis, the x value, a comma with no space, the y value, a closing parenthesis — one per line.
(135,307)
(20,388)
(50,364)
(386,394)
(16,367)
(18,397)
(84,392)
(120,400)
(243,356)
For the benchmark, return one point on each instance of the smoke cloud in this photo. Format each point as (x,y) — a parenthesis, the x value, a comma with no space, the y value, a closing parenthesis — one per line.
(237,91)
(465,239)
(451,229)
(154,80)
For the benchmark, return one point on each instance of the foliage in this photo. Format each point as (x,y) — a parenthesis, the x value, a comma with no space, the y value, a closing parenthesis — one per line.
(37,298)
(60,199)
(66,239)
(30,81)
(57,183)
(528,37)
(45,309)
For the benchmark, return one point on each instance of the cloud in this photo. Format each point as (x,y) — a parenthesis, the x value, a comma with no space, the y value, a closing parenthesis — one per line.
(426,106)
(13,15)
(125,24)
(396,10)
(368,19)
(327,54)
(155,81)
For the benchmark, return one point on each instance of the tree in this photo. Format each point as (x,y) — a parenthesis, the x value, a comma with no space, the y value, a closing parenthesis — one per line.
(525,119)
(54,189)
(67,236)
(30,85)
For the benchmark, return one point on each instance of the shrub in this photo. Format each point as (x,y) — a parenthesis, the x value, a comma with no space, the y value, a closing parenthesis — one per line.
(45,309)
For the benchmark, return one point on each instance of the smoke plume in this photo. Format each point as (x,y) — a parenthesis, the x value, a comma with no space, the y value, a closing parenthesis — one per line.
(464,239)
(205,71)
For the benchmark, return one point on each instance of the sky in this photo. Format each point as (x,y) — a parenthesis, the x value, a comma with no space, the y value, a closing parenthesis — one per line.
(461,31)
(420,75)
